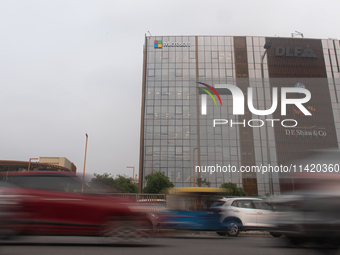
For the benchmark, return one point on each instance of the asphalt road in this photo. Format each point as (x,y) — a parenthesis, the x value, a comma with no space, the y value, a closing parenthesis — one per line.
(188,245)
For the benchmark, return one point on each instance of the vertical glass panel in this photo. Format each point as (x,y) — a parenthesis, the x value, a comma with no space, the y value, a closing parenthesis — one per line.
(179,133)
(149,132)
(149,110)
(165,55)
(185,56)
(200,40)
(179,56)
(179,110)
(201,57)
(179,150)
(207,56)
(151,72)
(164,130)
(172,56)
(148,150)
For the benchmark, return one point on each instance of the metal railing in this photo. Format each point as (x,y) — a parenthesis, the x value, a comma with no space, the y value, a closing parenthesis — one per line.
(147,202)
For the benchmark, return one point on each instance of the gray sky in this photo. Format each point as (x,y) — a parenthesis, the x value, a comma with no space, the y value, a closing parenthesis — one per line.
(73,67)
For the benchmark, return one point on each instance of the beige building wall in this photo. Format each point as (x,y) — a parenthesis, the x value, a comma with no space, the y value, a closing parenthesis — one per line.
(60,161)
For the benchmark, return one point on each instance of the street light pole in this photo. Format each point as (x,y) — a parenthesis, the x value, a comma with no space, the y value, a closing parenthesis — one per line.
(29,163)
(194,167)
(267,46)
(133,175)
(87,137)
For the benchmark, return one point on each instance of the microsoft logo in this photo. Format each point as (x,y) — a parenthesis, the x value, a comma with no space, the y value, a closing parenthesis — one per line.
(158,44)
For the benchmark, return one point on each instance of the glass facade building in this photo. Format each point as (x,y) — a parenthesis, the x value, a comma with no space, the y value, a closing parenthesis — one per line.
(176,138)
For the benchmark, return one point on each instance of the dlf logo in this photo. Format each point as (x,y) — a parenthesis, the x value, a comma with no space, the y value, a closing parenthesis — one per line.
(296,52)
(238,99)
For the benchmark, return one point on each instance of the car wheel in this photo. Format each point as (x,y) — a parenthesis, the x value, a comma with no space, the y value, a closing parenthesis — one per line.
(127,231)
(233,228)
(276,234)
(221,233)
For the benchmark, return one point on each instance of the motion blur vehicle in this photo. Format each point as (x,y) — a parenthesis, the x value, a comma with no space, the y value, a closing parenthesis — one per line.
(241,214)
(10,209)
(53,204)
(310,217)
(311,214)
(190,209)
(311,211)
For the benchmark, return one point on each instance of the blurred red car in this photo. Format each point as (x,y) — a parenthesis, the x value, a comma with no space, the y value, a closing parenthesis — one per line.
(52,203)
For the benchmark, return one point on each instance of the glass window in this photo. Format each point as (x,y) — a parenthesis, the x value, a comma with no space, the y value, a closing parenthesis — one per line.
(201,72)
(172,56)
(149,110)
(244,204)
(179,110)
(229,73)
(165,91)
(164,130)
(234,204)
(216,204)
(179,57)
(148,150)
(214,55)
(261,205)
(201,56)
(54,183)
(151,72)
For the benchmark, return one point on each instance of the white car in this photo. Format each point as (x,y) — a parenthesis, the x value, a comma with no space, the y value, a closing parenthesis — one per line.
(241,214)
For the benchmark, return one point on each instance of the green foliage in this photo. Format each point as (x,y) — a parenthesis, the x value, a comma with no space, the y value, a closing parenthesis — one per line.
(201,183)
(156,183)
(107,183)
(233,189)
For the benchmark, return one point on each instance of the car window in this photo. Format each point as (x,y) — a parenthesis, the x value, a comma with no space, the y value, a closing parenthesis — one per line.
(244,204)
(219,203)
(262,205)
(234,204)
(55,183)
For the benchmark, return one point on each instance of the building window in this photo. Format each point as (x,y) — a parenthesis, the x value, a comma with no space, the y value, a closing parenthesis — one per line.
(179,110)
(201,72)
(151,72)
(229,73)
(164,130)
(214,55)
(148,150)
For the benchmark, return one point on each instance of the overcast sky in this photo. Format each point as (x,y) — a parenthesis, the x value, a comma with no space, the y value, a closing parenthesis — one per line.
(73,67)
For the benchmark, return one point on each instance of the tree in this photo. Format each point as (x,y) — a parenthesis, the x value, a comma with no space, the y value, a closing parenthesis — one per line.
(202,182)
(156,183)
(107,183)
(233,189)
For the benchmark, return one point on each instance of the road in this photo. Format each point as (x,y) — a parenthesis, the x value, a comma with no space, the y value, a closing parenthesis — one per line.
(188,245)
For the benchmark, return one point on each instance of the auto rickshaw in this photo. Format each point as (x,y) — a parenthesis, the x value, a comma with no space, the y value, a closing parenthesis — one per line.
(190,209)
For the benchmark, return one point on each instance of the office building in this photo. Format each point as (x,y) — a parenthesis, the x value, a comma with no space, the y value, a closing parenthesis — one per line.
(177,135)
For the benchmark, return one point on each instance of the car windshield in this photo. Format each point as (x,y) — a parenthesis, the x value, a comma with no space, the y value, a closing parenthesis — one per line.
(50,182)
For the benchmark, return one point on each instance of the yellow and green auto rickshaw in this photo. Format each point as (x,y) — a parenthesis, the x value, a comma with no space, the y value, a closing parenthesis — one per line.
(192,208)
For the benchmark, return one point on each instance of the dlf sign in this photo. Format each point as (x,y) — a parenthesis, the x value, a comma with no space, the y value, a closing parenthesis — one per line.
(238,100)
(295,52)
